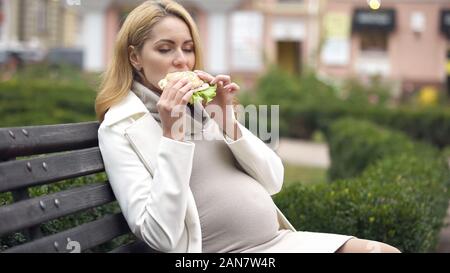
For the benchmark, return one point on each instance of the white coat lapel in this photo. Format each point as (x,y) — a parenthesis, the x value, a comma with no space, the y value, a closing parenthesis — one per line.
(144,136)
(284,222)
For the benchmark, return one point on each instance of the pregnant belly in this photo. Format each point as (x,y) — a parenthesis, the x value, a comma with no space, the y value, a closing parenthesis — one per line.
(235,212)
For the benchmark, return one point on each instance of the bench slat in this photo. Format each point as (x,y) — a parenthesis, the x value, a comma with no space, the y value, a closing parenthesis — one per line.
(28,213)
(88,235)
(33,140)
(83,157)
(134,247)
(25,173)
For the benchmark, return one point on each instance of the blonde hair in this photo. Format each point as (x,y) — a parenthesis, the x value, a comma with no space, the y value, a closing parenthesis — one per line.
(119,75)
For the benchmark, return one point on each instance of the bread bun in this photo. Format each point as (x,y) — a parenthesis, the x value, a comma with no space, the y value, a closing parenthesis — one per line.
(197,83)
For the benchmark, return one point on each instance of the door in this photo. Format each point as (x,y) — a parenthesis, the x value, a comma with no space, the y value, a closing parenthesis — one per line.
(289,56)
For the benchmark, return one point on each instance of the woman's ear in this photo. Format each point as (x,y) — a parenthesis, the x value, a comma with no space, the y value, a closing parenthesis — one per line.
(134,58)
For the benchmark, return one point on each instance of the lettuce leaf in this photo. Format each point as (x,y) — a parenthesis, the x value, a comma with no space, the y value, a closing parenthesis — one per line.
(207,95)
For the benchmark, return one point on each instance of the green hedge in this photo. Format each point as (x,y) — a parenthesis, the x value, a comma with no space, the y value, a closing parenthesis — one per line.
(427,124)
(401,198)
(39,102)
(294,97)
(355,144)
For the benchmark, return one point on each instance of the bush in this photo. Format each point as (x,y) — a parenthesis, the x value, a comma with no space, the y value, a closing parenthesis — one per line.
(37,102)
(428,124)
(58,74)
(355,144)
(401,198)
(307,104)
(376,92)
(293,95)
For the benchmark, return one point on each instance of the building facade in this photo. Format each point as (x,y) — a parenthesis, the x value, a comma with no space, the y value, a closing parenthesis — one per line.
(239,37)
(404,41)
(38,24)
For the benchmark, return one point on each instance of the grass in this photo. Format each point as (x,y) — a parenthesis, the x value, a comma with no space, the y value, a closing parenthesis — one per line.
(302,174)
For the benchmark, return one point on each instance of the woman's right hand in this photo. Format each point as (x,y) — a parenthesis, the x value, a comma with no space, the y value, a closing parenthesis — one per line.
(172,108)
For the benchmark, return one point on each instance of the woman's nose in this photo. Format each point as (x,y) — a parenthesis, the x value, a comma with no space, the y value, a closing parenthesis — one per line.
(180,58)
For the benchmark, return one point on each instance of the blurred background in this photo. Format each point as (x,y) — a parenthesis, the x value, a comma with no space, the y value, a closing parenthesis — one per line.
(396,51)
(363,88)
(405,42)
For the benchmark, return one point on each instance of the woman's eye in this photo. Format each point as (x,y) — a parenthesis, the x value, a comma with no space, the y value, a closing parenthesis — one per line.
(167,50)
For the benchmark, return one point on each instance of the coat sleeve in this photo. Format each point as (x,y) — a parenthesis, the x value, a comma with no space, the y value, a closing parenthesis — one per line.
(258,160)
(154,207)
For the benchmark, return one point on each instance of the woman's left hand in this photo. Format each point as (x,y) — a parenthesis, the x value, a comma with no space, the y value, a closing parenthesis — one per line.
(226,89)
(225,92)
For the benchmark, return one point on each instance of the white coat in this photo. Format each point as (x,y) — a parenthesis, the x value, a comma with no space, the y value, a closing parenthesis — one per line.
(150,175)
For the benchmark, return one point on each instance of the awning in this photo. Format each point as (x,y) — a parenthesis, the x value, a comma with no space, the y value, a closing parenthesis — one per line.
(445,22)
(364,19)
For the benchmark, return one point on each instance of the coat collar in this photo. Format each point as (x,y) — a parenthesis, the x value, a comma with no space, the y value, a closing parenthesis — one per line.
(128,107)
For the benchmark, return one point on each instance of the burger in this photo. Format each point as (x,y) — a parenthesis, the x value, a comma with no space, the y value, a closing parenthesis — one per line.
(203,92)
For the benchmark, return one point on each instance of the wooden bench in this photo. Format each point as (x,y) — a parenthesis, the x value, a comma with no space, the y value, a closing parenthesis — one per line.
(41,155)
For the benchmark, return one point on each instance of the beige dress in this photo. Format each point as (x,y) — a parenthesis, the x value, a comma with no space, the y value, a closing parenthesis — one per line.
(236,213)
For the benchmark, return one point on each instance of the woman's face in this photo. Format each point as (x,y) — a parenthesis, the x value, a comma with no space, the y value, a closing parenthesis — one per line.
(169,49)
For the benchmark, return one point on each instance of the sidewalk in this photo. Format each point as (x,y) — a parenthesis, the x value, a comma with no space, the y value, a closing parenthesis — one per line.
(304,153)
(444,236)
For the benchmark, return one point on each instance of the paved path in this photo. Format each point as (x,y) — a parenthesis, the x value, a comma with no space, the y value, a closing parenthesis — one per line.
(299,152)
(444,237)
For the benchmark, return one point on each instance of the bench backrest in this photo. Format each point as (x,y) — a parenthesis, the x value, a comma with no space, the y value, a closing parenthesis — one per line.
(41,155)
